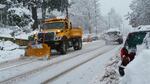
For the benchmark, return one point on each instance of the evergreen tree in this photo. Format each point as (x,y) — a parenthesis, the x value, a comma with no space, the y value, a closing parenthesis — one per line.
(114,20)
(140,14)
(60,5)
(2,1)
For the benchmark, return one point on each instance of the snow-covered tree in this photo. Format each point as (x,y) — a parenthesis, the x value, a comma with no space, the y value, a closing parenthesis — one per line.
(20,16)
(86,13)
(140,14)
(50,5)
(113,19)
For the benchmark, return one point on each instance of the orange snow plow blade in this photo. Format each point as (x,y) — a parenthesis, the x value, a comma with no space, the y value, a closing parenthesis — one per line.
(40,51)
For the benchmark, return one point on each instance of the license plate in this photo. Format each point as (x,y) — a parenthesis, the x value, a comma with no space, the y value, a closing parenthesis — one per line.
(37,46)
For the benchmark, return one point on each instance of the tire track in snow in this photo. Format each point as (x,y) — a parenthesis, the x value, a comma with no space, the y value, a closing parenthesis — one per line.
(74,67)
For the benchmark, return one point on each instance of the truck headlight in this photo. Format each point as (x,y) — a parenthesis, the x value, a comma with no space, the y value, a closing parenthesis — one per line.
(58,31)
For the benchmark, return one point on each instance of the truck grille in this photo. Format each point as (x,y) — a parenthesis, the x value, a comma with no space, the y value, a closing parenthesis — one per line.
(47,36)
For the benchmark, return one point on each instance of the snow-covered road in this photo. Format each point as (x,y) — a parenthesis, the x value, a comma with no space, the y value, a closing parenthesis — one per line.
(77,67)
(89,72)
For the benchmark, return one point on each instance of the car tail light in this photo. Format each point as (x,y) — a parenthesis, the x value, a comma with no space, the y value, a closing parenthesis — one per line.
(124,52)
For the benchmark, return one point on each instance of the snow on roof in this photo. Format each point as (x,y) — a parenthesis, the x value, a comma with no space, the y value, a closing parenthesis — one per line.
(2,6)
(141,28)
(112,30)
(144,27)
(20,11)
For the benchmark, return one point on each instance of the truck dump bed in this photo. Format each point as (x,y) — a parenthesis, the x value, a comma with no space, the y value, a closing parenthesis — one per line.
(76,32)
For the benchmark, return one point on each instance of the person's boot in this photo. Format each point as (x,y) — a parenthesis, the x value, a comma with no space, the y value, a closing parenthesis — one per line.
(121,71)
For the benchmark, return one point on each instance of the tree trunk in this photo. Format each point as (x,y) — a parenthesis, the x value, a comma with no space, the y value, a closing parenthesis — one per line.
(34,16)
(43,9)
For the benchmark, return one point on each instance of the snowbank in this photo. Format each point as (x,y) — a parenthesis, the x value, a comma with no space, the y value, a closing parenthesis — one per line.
(138,71)
(111,75)
(9,51)
(5,32)
(8,45)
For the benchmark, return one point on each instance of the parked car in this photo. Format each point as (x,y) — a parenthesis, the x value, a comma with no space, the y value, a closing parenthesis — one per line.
(94,38)
(89,38)
(113,36)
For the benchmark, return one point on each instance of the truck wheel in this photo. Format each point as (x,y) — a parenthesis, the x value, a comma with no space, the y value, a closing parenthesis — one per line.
(78,44)
(63,47)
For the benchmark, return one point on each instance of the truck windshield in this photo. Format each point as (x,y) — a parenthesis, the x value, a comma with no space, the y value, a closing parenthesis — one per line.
(53,25)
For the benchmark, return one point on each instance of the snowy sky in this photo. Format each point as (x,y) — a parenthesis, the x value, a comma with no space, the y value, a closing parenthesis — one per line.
(121,6)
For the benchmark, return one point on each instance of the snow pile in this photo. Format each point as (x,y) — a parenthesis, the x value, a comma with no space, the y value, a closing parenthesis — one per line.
(19,34)
(112,30)
(23,35)
(111,75)
(138,69)
(5,32)
(8,45)
(9,51)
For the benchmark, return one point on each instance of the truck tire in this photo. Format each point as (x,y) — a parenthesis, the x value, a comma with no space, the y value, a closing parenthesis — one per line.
(78,44)
(63,49)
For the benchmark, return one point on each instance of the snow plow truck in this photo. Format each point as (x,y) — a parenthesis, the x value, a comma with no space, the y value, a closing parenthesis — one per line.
(55,34)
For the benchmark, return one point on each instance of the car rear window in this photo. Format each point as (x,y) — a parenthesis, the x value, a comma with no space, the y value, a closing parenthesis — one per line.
(135,38)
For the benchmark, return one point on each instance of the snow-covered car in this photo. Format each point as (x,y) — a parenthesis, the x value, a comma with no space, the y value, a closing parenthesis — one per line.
(113,36)
(130,47)
(129,50)
(133,39)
